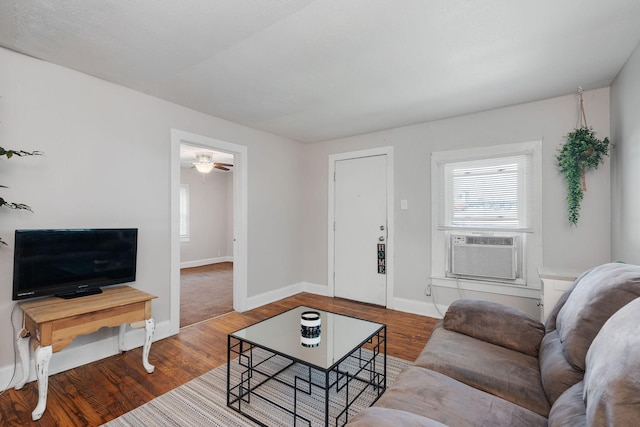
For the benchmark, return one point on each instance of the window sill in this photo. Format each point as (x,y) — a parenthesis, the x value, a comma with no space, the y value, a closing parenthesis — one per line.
(525,291)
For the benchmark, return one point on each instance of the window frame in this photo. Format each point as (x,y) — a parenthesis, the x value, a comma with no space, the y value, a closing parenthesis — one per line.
(183,228)
(529,233)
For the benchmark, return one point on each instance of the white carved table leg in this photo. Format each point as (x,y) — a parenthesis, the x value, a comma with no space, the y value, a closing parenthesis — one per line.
(121,332)
(43,357)
(149,327)
(22,342)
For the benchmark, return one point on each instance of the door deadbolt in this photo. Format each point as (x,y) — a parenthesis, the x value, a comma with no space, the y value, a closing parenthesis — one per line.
(382,228)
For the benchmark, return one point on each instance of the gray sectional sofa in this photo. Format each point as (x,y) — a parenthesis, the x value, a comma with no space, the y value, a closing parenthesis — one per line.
(491,365)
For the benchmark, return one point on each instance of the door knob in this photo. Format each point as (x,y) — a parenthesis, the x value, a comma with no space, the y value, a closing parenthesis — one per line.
(381,238)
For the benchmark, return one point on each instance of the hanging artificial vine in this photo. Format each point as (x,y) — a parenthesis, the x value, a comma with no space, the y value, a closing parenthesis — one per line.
(11,205)
(581,152)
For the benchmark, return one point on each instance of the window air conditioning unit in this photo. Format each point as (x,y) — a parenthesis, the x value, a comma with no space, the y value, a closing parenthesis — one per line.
(489,257)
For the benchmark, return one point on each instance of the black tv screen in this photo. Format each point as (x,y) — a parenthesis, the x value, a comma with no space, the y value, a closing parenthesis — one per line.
(72,262)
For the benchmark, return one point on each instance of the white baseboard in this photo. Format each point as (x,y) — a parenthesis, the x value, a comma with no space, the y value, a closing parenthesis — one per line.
(207,261)
(81,353)
(400,304)
(272,296)
(288,291)
(419,307)
(316,289)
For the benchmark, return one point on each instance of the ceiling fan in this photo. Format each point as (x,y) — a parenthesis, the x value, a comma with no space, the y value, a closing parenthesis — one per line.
(205,164)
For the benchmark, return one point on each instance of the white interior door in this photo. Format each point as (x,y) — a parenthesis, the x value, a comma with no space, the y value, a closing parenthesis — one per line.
(360,229)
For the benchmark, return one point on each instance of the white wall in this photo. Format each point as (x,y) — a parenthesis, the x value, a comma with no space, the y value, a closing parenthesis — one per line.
(108,158)
(107,164)
(210,217)
(565,247)
(625,134)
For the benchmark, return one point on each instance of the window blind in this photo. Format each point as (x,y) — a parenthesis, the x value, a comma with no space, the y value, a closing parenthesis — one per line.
(488,193)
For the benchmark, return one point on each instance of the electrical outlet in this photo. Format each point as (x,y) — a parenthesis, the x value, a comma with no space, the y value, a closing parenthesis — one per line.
(427,290)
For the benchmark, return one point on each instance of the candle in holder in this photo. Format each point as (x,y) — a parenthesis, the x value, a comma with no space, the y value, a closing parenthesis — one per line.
(310,329)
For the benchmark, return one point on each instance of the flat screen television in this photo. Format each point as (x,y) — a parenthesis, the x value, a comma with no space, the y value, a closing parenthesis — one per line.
(72,262)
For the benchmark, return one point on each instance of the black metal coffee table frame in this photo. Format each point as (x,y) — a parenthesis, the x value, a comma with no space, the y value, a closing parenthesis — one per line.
(365,367)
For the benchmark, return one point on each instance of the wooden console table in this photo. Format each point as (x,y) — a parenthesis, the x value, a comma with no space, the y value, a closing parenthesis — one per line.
(54,322)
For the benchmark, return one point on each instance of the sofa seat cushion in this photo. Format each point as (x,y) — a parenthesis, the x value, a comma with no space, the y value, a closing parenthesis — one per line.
(505,373)
(569,409)
(612,378)
(593,299)
(438,397)
(385,417)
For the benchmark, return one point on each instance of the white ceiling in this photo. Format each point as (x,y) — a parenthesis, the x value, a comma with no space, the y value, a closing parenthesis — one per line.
(313,70)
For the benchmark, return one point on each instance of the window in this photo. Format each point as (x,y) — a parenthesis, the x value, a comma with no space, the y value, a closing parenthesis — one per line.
(184,213)
(486,194)
(489,192)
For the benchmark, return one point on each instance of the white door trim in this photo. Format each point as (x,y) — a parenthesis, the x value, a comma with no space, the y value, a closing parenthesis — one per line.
(240,163)
(333,158)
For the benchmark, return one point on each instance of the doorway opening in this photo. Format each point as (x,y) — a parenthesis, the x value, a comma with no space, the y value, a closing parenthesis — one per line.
(230,257)
(206,234)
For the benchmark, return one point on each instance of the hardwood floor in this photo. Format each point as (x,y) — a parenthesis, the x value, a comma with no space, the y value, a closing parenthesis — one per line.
(93,394)
(205,292)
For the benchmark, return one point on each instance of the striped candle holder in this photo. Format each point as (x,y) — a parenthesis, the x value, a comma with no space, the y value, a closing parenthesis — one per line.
(310,328)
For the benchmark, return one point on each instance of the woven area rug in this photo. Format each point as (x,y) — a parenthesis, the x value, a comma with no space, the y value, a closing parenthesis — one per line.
(202,402)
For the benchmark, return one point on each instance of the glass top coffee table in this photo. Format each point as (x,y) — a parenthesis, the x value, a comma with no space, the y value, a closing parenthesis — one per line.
(281,369)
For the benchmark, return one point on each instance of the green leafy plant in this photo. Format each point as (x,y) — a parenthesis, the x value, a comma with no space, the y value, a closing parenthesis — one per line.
(581,152)
(11,205)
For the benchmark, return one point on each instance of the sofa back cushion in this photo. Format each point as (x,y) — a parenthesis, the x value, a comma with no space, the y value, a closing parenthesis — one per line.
(569,409)
(495,323)
(556,372)
(612,378)
(593,299)
(550,324)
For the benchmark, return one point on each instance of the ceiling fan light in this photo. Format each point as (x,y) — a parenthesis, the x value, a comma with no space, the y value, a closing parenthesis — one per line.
(204,158)
(204,162)
(204,167)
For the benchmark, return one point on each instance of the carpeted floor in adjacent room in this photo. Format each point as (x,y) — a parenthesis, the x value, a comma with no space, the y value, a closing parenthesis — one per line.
(205,292)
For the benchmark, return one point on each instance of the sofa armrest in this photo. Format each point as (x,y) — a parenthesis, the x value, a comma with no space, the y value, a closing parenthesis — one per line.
(495,323)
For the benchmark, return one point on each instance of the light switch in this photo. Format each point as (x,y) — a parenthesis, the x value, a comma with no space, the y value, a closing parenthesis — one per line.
(404,205)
